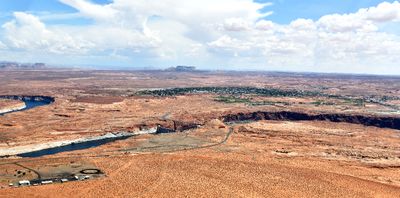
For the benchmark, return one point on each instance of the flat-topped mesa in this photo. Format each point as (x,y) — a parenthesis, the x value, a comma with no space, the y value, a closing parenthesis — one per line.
(4,65)
(367,120)
(182,68)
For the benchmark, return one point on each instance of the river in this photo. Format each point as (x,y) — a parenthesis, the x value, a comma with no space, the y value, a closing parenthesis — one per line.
(30,102)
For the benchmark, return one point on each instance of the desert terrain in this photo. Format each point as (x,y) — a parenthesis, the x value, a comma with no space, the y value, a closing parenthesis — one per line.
(7,105)
(202,134)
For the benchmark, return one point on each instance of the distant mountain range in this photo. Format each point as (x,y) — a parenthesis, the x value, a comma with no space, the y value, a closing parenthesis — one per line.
(5,65)
(182,68)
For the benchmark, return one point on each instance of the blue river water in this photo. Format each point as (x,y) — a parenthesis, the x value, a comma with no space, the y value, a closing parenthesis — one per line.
(36,101)
(71,147)
(30,101)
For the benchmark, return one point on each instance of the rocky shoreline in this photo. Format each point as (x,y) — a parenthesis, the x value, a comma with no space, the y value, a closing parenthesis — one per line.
(12,108)
(18,150)
(10,103)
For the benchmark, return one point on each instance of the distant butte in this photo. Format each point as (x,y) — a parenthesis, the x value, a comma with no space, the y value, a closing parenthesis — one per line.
(5,65)
(181,68)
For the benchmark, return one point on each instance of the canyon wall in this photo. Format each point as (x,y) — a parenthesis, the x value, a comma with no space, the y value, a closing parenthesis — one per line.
(377,121)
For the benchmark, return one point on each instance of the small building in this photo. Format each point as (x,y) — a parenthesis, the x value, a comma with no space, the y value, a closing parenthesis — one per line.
(81,177)
(36,182)
(24,183)
(47,182)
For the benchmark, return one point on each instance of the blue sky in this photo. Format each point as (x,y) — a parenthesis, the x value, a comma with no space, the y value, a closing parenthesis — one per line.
(284,10)
(289,35)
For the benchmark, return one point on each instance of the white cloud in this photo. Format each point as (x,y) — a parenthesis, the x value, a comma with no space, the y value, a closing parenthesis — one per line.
(236,24)
(345,23)
(303,24)
(363,20)
(129,25)
(92,10)
(2,46)
(264,25)
(226,42)
(27,32)
(214,31)
(384,12)
(343,43)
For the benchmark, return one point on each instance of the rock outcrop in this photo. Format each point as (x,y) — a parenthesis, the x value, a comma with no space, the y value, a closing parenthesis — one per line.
(15,107)
(377,121)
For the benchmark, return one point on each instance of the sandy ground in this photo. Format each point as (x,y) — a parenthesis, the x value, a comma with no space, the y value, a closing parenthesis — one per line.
(9,105)
(210,173)
(4,103)
(260,159)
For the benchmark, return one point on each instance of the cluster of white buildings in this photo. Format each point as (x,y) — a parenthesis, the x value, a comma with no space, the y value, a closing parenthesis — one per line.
(49,181)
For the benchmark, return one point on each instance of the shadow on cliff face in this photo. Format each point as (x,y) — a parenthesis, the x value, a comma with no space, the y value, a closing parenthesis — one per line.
(377,121)
(366,120)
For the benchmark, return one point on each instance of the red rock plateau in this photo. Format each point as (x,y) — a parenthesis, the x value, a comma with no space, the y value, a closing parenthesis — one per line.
(343,141)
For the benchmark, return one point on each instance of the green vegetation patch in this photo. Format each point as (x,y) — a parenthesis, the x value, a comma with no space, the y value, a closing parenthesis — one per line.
(230,91)
(321,102)
(248,101)
(233,95)
(360,102)
(232,99)
(261,103)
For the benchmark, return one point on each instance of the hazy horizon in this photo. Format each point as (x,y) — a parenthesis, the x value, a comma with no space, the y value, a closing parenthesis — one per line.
(197,69)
